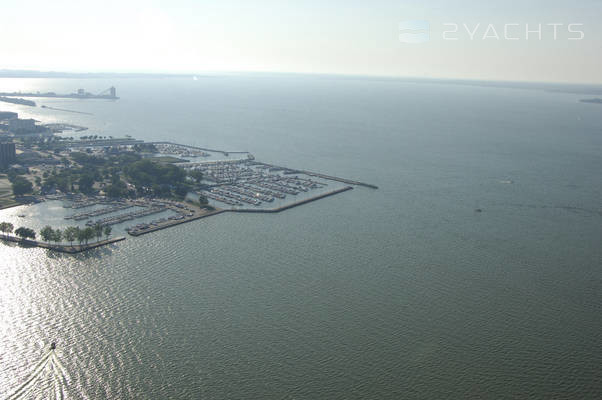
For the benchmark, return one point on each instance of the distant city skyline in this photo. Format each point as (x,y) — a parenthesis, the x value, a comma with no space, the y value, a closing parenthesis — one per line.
(543,41)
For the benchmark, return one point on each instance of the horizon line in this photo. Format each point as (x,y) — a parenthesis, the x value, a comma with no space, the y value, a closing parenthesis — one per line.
(32,73)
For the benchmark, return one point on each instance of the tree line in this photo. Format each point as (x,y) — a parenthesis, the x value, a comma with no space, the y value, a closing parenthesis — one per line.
(49,234)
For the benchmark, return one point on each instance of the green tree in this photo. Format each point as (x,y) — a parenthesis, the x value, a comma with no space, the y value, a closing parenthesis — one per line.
(47,233)
(107,231)
(88,234)
(117,189)
(181,190)
(80,235)
(9,228)
(21,186)
(98,231)
(25,233)
(6,227)
(85,183)
(71,234)
(147,173)
(196,174)
(58,236)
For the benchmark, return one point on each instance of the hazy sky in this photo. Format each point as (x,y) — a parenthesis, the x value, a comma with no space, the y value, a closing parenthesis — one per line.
(348,37)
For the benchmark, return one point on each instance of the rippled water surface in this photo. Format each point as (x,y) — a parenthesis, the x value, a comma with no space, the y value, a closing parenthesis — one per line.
(402,292)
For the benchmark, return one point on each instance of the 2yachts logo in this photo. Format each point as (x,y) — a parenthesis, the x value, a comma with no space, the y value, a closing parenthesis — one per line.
(419,31)
(416,31)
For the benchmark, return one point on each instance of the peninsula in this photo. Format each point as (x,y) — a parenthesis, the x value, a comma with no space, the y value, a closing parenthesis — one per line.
(133,187)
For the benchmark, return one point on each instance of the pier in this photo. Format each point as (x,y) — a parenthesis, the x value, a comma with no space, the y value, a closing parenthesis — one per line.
(65,110)
(169,223)
(62,248)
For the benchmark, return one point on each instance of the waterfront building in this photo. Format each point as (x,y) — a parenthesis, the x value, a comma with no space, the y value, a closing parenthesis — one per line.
(27,127)
(8,154)
(17,125)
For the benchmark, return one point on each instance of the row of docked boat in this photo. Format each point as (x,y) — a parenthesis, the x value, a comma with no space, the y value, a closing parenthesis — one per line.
(138,228)
(117,219)
(265,191)
(227,172)
(179,150)
(108,210)
(271,185)
(84,203)
(236,197)
(251,172)
(254,194)
(222,199)
(250,182)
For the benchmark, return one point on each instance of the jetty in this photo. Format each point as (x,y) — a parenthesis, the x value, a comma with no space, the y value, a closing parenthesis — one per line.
(335,178)
(65,110)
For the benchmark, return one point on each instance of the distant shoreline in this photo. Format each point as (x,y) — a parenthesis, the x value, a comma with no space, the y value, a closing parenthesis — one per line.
(591,88)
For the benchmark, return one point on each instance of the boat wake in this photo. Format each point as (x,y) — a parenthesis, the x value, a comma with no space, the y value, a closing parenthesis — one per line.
(48,364)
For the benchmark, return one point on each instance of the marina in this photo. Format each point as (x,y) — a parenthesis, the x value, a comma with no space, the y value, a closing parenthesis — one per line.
(246,182)
(214,181)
